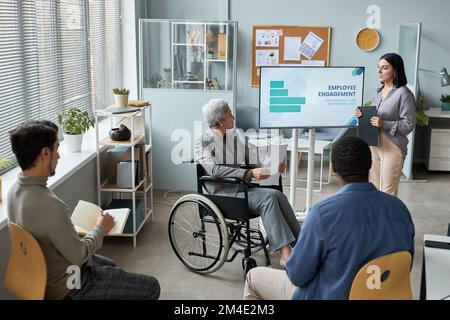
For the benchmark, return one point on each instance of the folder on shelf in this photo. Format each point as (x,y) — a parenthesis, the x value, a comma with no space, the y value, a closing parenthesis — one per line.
(85,215)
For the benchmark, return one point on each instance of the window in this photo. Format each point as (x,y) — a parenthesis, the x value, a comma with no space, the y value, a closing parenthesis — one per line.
(55,54)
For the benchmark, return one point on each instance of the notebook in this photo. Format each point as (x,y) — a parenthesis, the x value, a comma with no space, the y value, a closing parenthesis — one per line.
(85,215)
(366,131)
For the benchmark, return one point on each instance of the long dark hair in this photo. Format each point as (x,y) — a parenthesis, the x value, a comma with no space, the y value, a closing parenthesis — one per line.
(399,68)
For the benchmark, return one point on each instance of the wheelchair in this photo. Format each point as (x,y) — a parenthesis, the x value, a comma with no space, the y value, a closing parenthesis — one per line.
(203,228)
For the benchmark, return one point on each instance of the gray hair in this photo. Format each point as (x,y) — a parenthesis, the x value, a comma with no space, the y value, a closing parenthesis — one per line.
(214,112)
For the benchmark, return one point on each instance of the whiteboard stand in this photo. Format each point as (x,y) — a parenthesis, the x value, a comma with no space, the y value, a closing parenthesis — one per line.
(294,171)
(310,177)
(294,167)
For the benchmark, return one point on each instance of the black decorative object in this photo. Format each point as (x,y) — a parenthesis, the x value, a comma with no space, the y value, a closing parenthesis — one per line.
(120,134)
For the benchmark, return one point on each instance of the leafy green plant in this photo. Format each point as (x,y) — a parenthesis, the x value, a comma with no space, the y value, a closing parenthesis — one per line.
(121,91)
(75,121)
(422,118)
(5,163)
(445,98)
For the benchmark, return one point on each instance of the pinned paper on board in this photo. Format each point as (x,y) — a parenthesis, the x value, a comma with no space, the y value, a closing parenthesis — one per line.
(268,38)
(267,58)
(310,46)
(292,48)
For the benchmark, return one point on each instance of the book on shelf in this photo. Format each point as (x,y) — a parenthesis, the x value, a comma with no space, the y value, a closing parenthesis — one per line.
(138,103)
(85,215)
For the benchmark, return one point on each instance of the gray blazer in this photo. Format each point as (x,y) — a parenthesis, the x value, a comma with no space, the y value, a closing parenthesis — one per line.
(223,159)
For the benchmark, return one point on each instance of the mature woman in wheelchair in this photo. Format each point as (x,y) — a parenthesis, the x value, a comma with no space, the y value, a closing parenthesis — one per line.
(222,152)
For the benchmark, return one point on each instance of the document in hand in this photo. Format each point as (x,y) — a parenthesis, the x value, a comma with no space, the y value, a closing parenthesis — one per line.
(85,215)
(277,154)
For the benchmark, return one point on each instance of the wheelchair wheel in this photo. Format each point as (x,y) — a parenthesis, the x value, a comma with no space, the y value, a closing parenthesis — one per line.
(198,233)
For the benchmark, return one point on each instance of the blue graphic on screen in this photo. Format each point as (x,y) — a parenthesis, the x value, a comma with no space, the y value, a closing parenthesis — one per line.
(280,100)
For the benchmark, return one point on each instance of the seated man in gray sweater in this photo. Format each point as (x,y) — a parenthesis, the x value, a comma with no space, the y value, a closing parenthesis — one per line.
(32,205)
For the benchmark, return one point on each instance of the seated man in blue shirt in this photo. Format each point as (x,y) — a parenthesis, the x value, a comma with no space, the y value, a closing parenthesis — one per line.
(339,235)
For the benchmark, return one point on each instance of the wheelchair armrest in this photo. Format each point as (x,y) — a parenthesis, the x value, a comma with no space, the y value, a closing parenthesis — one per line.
(225,180)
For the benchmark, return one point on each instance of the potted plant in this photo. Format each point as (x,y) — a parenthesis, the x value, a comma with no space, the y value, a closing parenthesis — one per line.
(121,97)
(445,102)
(5,163)
(75,123)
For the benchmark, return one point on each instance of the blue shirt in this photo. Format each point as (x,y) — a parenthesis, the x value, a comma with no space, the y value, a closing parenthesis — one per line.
(341,234)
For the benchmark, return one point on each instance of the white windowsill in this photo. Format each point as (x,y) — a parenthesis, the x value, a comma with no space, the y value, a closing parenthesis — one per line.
(68,164)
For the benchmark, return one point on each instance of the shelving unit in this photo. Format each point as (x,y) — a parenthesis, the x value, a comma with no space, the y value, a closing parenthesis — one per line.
(138,196)
(196,46)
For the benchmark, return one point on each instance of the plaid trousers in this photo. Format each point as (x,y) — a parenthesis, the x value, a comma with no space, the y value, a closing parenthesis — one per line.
(101,279)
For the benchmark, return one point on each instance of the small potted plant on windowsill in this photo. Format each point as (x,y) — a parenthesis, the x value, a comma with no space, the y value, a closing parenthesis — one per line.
(121,97)
(445,102)
(75,123)
(5,163)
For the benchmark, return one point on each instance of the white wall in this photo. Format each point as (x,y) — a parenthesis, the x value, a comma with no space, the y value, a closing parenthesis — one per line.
(132,11)
(347,17)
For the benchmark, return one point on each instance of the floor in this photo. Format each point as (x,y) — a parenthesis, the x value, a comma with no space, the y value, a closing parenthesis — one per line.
(428,203)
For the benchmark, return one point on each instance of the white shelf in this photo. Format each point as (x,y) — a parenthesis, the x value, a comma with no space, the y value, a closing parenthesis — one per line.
(128,143)
(213,40)
(149,213)
(137,118)
(111,187)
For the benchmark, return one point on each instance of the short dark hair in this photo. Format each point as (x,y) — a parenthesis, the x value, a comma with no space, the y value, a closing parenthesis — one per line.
(399,68)
(351,158)
(29,138)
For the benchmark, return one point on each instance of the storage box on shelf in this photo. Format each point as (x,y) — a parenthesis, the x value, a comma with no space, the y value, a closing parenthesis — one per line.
(120,183)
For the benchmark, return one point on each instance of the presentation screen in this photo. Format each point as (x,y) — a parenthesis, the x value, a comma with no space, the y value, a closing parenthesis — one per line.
(310,97)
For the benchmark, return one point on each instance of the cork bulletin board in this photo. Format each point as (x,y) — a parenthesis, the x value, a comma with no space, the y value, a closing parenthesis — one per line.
(289,45)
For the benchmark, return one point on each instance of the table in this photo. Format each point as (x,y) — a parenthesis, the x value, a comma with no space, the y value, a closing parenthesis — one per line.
(435,284)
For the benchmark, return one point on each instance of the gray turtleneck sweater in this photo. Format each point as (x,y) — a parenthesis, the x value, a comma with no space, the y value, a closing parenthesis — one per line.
(32,205)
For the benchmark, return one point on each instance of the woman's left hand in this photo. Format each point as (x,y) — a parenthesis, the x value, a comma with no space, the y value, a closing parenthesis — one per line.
(376,122)
(282,167)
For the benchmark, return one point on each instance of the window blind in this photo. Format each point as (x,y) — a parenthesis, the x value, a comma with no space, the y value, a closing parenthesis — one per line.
(55,54)
(105,50)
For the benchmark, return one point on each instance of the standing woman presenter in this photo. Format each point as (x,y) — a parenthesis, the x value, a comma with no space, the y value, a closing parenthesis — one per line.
(396,118)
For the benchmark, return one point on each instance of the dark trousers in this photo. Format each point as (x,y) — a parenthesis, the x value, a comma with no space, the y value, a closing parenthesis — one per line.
(101,279)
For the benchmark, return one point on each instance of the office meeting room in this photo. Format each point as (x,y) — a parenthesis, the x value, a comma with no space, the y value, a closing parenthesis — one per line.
(224,157)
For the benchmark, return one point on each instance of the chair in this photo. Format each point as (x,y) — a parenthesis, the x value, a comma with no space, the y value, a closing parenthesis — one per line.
(393,278)
(203,227)
(26,274)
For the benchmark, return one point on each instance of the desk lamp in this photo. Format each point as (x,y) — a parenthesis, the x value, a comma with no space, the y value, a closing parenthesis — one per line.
(445,78)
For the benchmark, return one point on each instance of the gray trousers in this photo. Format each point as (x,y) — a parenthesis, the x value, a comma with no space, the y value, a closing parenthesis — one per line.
(278,218)
(101,279)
